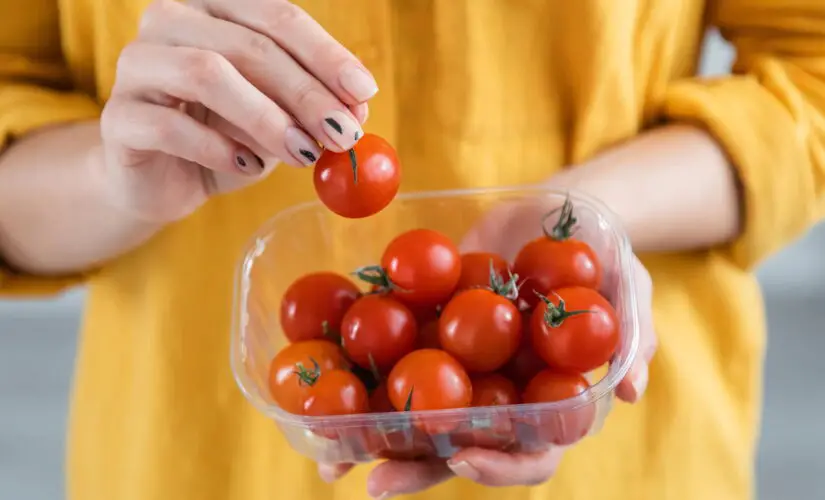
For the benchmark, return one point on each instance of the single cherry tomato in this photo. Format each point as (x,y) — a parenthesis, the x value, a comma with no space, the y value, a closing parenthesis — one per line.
(334,392)
(380,400)
(314,305)
(550,386)
(494,429)
(525,363)
(428,336)
(475,269)
(575,330)
(494,390)
(481,329)
(422,267)
(284,384)
(555,260)
(360,182)
(556,427)
(429,379)
(378,331)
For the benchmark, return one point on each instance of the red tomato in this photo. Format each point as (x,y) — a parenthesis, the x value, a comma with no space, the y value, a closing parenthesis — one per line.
(556,261)
(314,305)
(360,182)
(550,386)
(380,328)
(525,363)
(380,400)
(481,328)
(429,379)
(475,269)
(563,427)
(575,330)
(284,385)
(428,336)
(494,390)
(335,392)
(423,266)
(495,429)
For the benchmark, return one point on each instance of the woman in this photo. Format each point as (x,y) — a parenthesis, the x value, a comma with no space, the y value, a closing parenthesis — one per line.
(152,200)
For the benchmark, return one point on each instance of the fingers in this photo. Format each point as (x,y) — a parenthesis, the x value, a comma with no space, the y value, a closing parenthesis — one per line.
(330,473)
(267,66)
(633,386)
(144,126)
(494,468)
(296,32)
(399,477)
(199,76)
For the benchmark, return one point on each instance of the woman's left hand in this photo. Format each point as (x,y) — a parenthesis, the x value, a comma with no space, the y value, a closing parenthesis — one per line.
(503,230)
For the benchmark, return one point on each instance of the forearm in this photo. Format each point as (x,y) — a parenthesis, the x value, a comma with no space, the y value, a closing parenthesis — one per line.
(672,187)
(56,214)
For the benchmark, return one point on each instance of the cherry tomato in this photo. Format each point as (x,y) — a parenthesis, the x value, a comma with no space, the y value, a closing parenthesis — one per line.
(556,427)
(494,430)
(423,266)
(360,182)
(481,328)
(550,386)
(284,384)
(429,379)
(494,390)
(575,330)
(314,305)
(428,336)
(475,269)
(378,329)
(380,400)
(555,261)
(335,392)
(525,363)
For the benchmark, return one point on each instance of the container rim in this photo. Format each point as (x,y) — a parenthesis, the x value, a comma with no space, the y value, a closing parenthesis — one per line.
(597,391)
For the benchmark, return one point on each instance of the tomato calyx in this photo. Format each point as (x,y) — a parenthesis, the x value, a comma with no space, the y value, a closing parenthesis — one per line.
(306,376)
(555,315)
(566,225)
(408,404)
(377,277)
(508,289)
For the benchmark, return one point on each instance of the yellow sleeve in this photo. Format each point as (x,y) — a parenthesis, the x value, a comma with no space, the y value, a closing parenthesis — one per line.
(35,91)
(769,116)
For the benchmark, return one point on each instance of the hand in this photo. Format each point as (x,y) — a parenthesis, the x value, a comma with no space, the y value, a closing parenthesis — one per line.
(214,93)
(504,230)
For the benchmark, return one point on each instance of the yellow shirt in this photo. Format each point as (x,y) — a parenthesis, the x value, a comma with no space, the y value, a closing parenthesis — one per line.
(473,93)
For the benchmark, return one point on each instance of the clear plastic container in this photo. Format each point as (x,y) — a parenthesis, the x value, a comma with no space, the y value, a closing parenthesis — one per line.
(309,238)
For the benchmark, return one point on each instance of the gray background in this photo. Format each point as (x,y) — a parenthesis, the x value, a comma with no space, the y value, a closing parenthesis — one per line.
(37,348)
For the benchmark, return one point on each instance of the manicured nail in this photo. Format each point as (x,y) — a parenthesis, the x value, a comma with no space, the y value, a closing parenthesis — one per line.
(248,162)
(342,129)
(639,381)
(360,84)
(465,470)
(301,146)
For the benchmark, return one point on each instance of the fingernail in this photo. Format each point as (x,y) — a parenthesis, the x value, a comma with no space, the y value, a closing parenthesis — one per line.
(384,496)
(360,84)
(248,162)
(342,129)
(465,470)
(301,146)
(639,381)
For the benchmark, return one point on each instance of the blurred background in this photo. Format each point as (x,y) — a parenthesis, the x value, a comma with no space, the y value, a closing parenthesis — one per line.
(37,348)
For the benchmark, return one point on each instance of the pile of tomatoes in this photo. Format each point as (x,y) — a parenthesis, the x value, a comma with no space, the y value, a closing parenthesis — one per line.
(435,329)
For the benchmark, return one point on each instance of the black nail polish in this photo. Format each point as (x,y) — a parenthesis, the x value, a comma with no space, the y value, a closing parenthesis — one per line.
(335,125)
(239,159)
(308,155)
(260,161)
(357,135)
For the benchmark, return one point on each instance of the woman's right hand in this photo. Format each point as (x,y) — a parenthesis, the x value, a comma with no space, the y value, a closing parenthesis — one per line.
(214,93)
